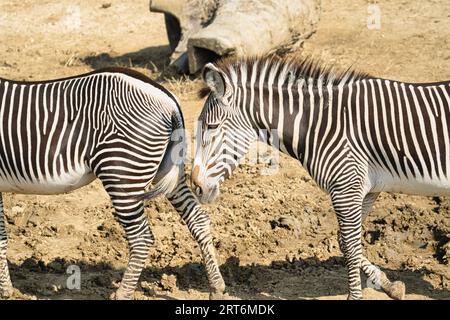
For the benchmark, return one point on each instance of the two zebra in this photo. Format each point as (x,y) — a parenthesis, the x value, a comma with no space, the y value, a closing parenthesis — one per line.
(356,136)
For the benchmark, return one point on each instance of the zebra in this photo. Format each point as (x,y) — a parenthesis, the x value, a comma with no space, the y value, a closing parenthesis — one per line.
(355,134)
(114,124)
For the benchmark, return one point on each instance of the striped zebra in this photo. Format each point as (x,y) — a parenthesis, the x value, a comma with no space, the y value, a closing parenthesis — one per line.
(116,125)
(356,135)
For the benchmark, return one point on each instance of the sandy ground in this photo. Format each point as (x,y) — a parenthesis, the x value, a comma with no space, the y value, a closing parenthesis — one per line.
(407,236)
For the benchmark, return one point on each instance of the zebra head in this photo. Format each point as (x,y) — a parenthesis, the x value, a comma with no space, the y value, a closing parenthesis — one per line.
(224,133)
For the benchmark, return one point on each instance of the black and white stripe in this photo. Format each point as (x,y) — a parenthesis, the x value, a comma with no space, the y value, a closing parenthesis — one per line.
(113,124)
(355,134)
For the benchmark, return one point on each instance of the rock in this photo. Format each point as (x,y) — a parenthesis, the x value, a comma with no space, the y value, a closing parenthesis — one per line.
(281,243)
(293,21)
(168,282)
(202,31)
(17,210)
(445,252)
(287,222)
(20,216)
(47,232)
(308,210)
(183,18)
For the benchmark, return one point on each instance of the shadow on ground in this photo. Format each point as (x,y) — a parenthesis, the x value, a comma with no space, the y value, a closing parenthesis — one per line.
(156,59)
(307,278)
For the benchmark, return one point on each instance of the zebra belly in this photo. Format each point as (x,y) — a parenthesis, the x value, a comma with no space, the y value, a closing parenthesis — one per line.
(65,182)
(413,186)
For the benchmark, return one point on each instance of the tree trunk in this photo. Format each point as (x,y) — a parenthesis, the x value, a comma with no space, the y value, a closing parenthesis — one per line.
(214,28)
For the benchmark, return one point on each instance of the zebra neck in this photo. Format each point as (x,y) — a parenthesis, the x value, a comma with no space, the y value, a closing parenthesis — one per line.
(297,120)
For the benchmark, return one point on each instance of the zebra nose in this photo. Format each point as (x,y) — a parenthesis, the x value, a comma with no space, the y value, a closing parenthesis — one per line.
(195,182)
(198,191)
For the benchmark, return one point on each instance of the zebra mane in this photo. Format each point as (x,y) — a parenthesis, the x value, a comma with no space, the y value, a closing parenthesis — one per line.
(290,69)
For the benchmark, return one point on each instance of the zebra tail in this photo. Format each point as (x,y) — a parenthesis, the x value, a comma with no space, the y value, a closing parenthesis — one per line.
(164,186)
(169,173)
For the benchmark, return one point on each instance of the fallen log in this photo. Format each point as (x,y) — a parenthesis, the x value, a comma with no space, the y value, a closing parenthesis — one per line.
(201,31)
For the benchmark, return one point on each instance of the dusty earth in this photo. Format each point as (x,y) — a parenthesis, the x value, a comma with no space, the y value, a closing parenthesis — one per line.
(407,236)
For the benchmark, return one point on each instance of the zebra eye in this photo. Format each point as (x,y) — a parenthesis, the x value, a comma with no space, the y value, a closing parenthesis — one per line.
(212,126)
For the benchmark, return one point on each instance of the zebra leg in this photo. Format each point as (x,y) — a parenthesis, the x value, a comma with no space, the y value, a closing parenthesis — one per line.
(367,204)
(198,223)
(348,211)
(130,214)
(5,281)
(395,290)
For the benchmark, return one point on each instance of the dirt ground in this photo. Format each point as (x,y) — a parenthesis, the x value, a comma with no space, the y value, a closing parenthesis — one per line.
(407,236)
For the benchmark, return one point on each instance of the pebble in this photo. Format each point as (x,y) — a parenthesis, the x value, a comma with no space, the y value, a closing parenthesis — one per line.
(308,210)
(288,222)
(168,282)
(17,210)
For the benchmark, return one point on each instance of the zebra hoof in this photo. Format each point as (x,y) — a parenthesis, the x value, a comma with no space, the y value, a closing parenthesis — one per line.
(350,297)
(121,294)
(216,296)
(396,290)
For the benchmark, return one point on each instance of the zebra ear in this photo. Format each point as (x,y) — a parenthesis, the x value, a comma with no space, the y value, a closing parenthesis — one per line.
(214,79)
